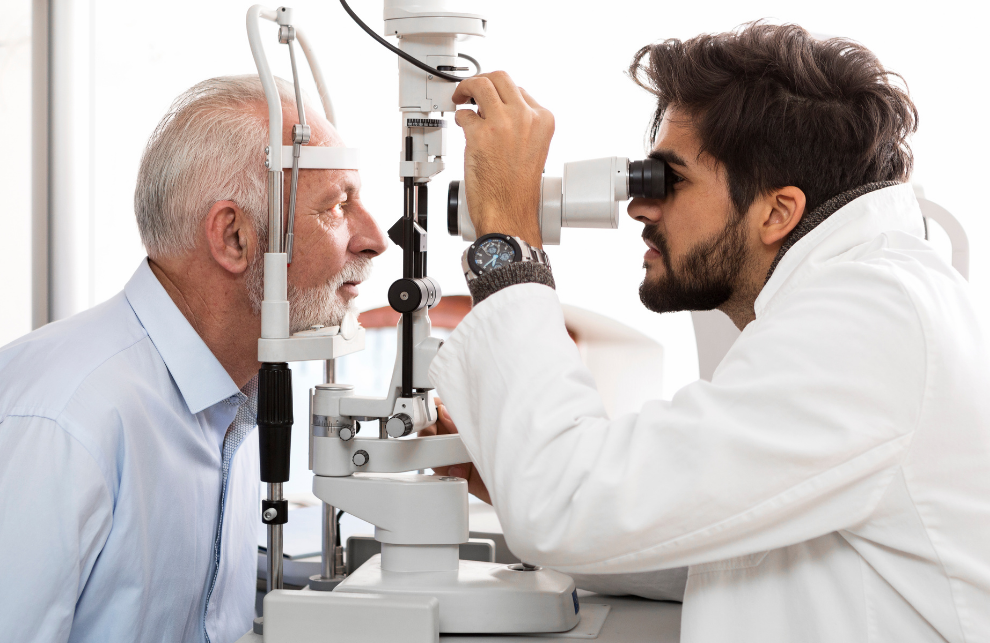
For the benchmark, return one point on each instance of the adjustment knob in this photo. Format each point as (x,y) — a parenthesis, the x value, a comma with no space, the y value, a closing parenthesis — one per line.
(399,425)
(360,458)
(345,433)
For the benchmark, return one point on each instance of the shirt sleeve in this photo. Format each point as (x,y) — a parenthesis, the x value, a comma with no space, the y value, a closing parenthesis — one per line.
(798,434)
(57,513)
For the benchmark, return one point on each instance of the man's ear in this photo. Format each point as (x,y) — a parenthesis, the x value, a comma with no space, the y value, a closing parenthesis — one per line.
(230,236)
(786,208)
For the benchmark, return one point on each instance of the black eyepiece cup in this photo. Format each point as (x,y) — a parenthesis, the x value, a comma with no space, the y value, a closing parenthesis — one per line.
(647,179)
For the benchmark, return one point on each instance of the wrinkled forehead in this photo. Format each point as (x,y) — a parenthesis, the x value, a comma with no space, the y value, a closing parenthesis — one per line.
(321,131)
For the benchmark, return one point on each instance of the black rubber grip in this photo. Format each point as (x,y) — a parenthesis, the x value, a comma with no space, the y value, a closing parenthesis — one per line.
(275,420)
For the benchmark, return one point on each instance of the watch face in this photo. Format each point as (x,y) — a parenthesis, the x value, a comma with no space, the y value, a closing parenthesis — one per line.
(491,254)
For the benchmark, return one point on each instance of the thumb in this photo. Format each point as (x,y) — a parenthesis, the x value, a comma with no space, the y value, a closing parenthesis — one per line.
(466,118)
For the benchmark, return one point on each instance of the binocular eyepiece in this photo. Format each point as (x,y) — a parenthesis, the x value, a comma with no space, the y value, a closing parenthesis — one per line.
(587,196)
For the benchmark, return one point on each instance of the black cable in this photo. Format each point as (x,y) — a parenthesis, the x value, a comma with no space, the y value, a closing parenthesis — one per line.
(401,54)
(340,512)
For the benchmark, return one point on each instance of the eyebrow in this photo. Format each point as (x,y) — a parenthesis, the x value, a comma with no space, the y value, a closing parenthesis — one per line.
(669,156)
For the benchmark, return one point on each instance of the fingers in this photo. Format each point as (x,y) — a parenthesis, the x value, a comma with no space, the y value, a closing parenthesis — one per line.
(507,89)
(481,89)
(466,118)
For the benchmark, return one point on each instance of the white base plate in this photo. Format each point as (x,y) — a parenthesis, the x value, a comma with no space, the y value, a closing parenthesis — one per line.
(480,598)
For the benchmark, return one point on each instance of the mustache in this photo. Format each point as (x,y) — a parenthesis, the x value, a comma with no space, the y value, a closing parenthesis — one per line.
(356,270)
(655,236)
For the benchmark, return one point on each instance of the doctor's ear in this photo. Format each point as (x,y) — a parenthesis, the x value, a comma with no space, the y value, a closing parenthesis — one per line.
(782,210)
(230,236)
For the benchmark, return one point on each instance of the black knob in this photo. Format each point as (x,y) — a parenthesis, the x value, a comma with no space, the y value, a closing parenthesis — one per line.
(453,203)
(360,458)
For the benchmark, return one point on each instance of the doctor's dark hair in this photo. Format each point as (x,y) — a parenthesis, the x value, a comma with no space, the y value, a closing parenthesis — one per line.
(777,107)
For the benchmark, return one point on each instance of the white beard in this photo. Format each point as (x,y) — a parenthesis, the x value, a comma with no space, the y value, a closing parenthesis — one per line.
(317,306)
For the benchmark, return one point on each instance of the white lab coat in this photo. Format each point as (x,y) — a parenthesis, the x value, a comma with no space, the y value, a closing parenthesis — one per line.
(832,481)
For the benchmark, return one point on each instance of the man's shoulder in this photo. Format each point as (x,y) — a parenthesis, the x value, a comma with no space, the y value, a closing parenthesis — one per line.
(42,371)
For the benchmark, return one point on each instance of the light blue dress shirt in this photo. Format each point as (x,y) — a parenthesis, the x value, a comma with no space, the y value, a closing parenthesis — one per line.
(124,514)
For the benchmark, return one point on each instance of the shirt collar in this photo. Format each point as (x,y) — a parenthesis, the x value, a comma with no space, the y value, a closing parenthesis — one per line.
(200,377)
(865,218)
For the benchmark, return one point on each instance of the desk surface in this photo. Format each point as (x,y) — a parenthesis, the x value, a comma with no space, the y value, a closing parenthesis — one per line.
(631,620)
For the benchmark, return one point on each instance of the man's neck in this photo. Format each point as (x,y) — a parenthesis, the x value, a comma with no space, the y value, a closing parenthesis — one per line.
(741,306)
(218,311)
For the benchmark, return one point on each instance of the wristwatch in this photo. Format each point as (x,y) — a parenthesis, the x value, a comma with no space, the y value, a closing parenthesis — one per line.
(494,251)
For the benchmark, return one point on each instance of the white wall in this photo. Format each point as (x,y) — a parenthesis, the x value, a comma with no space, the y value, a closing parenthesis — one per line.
(571,56)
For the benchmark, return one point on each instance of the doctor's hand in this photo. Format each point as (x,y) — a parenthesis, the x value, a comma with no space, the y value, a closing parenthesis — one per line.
(445,426)
(506,150)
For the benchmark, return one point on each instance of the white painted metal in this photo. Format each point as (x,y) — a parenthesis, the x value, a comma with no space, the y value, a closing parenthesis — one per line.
(590,198)
(70,158)
(314,67)
(317,617)
(275,307)
(40,179)
(315,157)
(480,597)
(420,558)
(405,509)
(254,14)
(335,457)
(309,345)
(957,235)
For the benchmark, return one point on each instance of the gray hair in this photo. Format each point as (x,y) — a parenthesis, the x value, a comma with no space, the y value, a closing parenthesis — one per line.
(207,148)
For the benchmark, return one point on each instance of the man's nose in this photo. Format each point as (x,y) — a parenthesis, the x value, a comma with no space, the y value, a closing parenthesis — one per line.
(366,237)
(645,210)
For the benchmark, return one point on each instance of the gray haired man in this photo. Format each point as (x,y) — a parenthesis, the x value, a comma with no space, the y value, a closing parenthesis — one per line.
(128,462)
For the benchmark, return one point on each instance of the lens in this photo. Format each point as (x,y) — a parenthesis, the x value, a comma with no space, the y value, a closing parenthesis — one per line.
(647,179)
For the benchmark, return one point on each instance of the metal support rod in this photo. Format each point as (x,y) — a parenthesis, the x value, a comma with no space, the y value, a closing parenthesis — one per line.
(329,371)
(422,200)
(408,269)
(382,433)
(275,211)
(329,545)
(274,543)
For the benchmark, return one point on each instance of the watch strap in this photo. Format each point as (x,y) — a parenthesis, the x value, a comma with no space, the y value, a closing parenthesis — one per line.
(528,272)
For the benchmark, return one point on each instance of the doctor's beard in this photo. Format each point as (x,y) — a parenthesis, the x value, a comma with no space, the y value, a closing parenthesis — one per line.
(318,306)
(707,273)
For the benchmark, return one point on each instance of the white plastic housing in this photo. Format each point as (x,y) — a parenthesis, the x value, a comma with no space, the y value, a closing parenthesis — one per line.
(592,191)
(587,196)
(294,616)
(275,307)
(405,509)
(480,597)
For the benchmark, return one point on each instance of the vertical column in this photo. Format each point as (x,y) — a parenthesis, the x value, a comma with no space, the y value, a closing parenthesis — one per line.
(70,140)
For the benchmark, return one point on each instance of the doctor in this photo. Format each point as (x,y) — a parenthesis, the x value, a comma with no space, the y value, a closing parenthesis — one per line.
(830,483)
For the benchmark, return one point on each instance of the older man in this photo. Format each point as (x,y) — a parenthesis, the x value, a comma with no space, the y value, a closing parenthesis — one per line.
(128,464)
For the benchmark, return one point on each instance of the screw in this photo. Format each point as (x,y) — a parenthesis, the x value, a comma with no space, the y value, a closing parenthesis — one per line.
(267,150)
(430,77)
(270,513)
(449,479)
(435,107)
(316,326)
(404,296)
(267,164)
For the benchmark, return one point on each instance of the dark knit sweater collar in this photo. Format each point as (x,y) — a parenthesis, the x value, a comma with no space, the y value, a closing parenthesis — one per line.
(811,221)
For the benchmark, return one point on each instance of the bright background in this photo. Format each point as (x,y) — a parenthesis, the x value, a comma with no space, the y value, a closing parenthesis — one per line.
(571,56)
